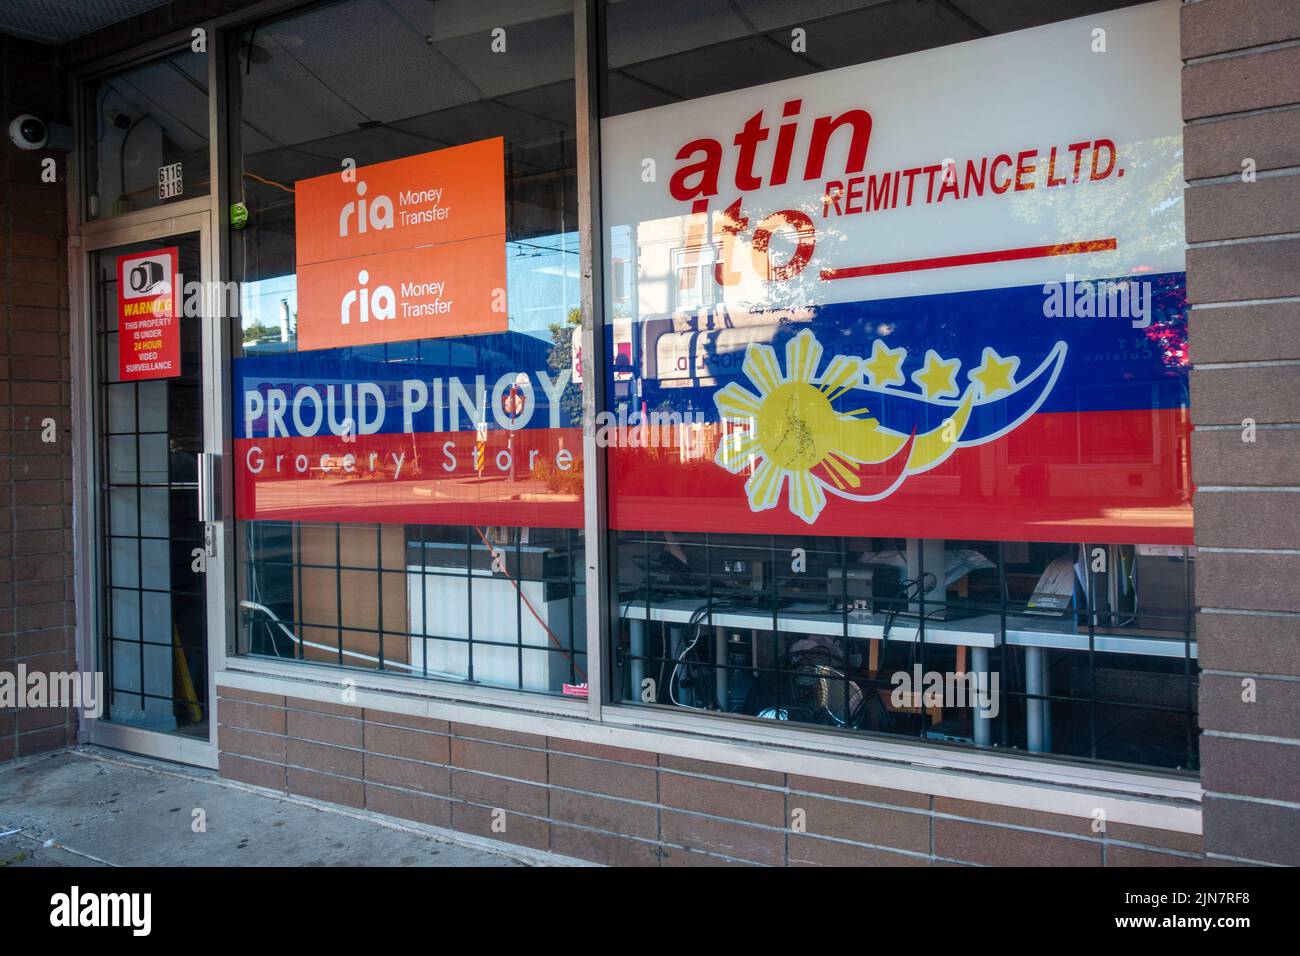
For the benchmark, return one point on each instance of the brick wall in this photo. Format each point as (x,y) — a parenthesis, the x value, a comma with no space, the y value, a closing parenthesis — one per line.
(631,807)
(36,600)
(1241,101)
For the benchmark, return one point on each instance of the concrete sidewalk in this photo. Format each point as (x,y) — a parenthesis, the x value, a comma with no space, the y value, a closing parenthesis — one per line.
(92,807)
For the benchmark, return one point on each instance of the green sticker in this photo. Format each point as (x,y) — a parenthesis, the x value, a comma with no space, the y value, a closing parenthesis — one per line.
(238,215)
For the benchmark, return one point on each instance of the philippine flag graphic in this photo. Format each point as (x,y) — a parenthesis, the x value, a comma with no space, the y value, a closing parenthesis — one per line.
(964,415)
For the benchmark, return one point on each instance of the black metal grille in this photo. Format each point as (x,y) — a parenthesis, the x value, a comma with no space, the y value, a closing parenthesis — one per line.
(722,623)
(494,606)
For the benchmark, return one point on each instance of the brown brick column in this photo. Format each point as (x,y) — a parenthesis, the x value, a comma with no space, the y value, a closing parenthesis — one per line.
(1241,101)
(36,600)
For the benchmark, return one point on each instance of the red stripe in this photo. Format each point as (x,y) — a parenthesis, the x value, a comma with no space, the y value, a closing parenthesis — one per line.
(973,259)
(1034,484)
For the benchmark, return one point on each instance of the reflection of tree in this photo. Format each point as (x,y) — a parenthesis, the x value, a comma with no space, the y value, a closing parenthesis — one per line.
(257,332)
(1149,217)
(560,359)
(804,290)
(1169,334)
(560,481)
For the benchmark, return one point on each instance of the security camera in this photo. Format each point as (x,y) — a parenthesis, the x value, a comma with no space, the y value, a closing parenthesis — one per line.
(32,132)
(28,131)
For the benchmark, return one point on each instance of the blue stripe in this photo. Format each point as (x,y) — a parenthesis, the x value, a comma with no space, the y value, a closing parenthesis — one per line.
(387,366)
(1110,365)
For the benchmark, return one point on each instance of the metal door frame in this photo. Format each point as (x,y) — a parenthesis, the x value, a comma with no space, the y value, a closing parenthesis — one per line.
(190,217)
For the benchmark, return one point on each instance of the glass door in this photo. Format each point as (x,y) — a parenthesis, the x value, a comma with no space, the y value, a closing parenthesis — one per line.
(155,549)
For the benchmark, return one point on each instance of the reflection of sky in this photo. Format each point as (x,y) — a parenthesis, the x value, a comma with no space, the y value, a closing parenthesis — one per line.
(541,288)
(259,301)
(620,248)
(542,282)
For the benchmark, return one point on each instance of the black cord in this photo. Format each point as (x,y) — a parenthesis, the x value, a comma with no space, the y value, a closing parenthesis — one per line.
(252,35)
(905,596)
(693,626)
(121,150)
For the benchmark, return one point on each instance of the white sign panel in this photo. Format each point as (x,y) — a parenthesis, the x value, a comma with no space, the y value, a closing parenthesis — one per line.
(1006,161)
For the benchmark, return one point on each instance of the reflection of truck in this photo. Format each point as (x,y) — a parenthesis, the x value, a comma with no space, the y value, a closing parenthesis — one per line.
(680,350)
(687,326)
(678,354)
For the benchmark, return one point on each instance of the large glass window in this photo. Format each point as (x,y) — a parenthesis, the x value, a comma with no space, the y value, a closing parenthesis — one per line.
(896,381)
(408,448)
(998,644)
(147,135)
(897,374)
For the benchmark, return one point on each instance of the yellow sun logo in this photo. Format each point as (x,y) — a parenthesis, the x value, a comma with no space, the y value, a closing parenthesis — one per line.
(789,430)
(788,433)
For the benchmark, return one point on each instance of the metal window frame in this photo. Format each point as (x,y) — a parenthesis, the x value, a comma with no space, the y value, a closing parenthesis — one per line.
(601,594)
(994,777)
(197,214)
(89,574)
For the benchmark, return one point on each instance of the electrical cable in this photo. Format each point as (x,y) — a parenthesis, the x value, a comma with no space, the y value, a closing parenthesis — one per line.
(100,128)
(524,597)
(691,629)
(332,649)
(252,35)
(270,182)
(698,616)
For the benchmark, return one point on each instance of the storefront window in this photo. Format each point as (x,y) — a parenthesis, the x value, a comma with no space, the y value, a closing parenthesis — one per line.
(408,444)
(897,377)
(860,633)
(147,128)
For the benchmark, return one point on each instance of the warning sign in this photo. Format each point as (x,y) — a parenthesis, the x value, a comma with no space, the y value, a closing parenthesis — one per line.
(148,330)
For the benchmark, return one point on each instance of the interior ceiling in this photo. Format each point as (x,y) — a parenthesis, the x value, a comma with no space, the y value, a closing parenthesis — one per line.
(415,78)
(321,76)
(663,25)
(173,91)
(57,21)
(375,78)
(660,51)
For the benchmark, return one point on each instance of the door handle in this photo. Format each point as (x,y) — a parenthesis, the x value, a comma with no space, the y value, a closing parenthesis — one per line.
(209,486)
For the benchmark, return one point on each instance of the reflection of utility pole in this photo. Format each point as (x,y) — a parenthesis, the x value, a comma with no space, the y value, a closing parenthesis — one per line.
(514,404)
(284,320)
(635,326)
(510,439)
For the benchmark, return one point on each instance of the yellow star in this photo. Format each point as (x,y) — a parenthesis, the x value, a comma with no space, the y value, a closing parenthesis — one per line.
(938,379)
(885,367)
(995,373)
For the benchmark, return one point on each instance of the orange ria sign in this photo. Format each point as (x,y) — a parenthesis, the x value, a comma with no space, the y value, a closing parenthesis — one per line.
(409,249)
